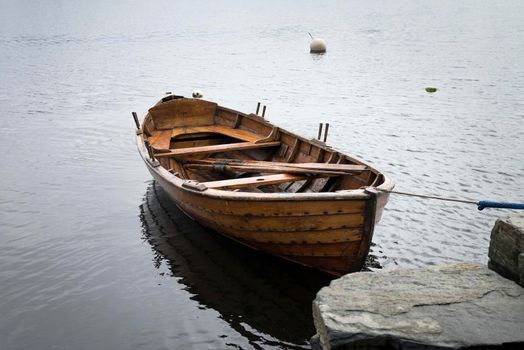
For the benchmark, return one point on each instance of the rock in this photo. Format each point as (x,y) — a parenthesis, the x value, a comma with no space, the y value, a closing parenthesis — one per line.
(452,306)
(521,269)
(506,246)
(315,343)
(431,89)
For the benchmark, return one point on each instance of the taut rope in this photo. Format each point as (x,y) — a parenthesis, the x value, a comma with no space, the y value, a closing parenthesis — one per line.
(480,204)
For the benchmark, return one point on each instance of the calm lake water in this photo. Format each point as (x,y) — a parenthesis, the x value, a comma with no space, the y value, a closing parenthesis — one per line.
(93,255)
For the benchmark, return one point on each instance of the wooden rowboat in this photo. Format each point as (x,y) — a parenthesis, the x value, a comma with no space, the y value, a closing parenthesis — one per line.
(261,185)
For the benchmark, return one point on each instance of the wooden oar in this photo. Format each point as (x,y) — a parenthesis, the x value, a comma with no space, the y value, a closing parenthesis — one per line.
(343,168)
(263,169)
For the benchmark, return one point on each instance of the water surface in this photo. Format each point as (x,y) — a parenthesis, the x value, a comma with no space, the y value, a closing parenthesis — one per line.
(94,255)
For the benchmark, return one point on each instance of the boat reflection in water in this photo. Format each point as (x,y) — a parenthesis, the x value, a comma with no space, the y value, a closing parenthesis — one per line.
(271,296)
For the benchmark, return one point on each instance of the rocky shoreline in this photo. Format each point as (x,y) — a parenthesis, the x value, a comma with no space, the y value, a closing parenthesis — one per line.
(456,306)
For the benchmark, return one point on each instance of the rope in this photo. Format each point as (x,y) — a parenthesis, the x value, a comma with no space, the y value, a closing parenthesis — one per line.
(480,204)
(448,199)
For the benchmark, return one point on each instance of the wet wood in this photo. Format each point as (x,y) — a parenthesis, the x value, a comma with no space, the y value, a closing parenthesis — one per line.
(310,250)
(332,265)
(294,224)
(304,237)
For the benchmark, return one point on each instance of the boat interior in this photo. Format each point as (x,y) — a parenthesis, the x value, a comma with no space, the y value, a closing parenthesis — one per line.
(227,150)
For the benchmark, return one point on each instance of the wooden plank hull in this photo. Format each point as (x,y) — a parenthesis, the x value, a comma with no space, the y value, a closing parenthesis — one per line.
(330,235)
(320,211)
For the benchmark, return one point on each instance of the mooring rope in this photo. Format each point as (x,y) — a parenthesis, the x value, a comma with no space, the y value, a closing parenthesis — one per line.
(440,198)
(480,204)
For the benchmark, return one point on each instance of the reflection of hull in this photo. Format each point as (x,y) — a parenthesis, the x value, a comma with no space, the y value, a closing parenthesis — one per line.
(308,203)
(256,294)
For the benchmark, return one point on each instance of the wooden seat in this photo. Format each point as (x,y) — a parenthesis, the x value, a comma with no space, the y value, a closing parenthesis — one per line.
(229,147)
(161,139)
(218,129)
(182,111)
(253,181)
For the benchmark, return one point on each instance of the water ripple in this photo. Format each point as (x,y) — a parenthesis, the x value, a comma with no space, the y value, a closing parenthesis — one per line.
(88,262)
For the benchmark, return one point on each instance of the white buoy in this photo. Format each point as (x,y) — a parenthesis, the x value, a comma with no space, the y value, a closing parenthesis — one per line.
(317,46)
(197,94)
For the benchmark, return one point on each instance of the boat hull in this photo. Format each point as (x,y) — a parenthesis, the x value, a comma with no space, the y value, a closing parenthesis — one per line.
(307,203)
(331,234)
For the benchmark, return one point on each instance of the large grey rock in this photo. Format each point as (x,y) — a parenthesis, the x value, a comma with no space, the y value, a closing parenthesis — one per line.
(506,248)
(452,306)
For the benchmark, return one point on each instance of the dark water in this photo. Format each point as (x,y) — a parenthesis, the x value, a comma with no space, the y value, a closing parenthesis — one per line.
(94,256)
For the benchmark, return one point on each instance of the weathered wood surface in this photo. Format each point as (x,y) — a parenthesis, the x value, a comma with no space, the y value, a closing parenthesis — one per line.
(253,181)
(308,223)
(304,237)
(160,139)
(189,151)
(249,168)
(218,129)
(183,112)
(312,166)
